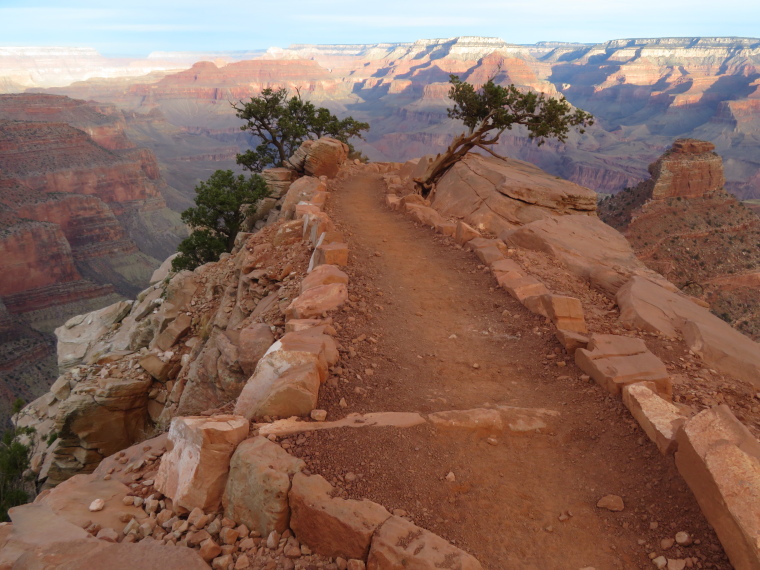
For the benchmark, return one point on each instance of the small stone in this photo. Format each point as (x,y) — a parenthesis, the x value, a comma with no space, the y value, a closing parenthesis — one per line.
(108,534)
(451,477)
(492,441)
(355,564)
(319,415)
(563,517)
(612,503)
(242,563)
(273,540)
(350,477)
(683,538)
(660,562)
(97,505)
(476,366)
(341,563)
(653,525)
(128,500)
(667,543)
(676,564)
(209,550)
(343,403)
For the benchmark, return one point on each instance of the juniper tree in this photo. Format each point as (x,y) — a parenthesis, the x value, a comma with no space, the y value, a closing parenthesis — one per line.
(490,110)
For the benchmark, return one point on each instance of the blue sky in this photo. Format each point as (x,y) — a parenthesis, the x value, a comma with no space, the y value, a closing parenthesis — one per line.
(141,26)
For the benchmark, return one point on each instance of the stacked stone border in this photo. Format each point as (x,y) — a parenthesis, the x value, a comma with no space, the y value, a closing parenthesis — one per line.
(714,452)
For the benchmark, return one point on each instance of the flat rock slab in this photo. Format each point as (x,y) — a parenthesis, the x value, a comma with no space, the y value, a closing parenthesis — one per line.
(500,419)
(614,361)
(317,300)
(648,306)
(72,498)
(401,544)
(720,461)
(376,419)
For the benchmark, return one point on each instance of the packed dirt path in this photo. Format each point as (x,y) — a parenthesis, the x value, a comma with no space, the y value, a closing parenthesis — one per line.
(428,330)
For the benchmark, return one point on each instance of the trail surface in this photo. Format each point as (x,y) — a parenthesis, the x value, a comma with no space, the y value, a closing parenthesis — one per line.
(428,330)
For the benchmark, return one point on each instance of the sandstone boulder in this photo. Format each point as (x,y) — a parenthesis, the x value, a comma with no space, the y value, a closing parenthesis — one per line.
(278,180)
(330,253)
(503,194)
(659,418)
(194,472)
(164,269)
(565,312)
(302,190)
(80,333)
(317,300)
(254,341)
(720,461)
(258,485)
(293,393)
(400,544)
(332,526)
(614,361)
(325,157)
(323,275)
(293,350)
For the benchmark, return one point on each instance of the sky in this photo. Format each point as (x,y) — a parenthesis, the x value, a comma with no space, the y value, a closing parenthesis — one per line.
(139,27)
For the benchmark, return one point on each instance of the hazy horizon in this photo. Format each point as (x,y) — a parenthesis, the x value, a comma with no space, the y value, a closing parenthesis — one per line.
(138,28)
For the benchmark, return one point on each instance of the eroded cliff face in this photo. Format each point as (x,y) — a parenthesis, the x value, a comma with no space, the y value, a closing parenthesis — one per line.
(84,219)
(644,94)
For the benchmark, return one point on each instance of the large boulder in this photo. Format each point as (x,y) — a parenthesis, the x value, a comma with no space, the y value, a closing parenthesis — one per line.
(77,335)
(258,485)
(499,195)
(295,365)
(720,460)
(322,157)
(194,472)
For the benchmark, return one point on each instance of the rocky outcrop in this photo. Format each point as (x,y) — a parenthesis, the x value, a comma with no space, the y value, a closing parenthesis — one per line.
(691,169)
(500,195)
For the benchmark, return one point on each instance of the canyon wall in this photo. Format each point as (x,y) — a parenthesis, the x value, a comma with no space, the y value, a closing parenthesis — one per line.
(644,93)
(83,221)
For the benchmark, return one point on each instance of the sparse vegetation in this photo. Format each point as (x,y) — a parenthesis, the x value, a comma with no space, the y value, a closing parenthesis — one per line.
(281,123)
(15,455)
(490,110)
(221,205)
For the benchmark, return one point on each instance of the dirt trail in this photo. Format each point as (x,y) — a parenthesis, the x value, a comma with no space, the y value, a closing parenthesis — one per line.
(428,314)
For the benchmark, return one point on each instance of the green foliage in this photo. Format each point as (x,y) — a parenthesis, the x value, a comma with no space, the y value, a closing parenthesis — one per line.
(281,124)
(221,206)
(493,107)
(15,456)
(490,110)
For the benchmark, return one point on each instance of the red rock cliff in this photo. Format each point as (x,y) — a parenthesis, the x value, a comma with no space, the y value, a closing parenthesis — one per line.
(691,169)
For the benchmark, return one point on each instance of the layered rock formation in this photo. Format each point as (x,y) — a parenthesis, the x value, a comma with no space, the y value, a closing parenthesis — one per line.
(683,224)
(644,93)
(83,213)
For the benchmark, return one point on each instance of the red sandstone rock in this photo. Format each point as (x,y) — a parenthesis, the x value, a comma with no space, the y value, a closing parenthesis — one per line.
(400,544)
(659,418)
(691,169)
(254,341)
(194,472)
(331,526)
(614,361)
(258,485)
(334,253)
(720,461)
(323,275)
(317,300)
